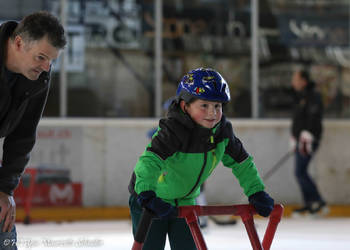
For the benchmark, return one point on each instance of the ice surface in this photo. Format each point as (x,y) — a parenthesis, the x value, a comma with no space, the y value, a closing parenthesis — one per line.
(301,233)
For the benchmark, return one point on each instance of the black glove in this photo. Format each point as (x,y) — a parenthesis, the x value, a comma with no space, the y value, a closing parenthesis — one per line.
(262,203)
(162,209)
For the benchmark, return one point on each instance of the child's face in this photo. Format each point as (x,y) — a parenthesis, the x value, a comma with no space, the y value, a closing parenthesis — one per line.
(205,113)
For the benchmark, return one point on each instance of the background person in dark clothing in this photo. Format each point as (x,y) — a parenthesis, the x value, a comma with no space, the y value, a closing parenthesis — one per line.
(306,135)
(26,51)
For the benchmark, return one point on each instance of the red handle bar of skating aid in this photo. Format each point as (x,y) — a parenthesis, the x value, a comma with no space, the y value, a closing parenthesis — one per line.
(246,212)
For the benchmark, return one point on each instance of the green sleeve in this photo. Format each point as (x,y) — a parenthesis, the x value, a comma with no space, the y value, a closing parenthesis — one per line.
(147,170)
(246,173)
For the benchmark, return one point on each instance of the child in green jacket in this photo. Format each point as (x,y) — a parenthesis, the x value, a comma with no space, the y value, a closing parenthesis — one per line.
(188,145)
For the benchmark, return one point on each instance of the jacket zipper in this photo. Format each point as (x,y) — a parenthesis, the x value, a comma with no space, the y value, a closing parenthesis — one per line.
(202,170)
(199,176)
(195,185)
(214,161)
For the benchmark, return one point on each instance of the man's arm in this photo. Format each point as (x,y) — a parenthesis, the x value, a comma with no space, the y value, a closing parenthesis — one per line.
(314,114)
(16,150)
(19,143)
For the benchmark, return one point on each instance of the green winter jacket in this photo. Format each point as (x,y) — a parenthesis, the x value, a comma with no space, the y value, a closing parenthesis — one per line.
(182,155)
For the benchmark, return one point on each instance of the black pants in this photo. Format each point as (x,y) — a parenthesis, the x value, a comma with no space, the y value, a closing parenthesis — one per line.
(308,187)
(180,237)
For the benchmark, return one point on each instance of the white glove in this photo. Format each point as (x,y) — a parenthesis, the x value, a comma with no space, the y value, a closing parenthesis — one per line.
(305,142)
(292,144)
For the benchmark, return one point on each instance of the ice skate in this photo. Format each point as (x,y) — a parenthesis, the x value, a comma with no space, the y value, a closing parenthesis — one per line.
(301,212)
(203,222)
(316,209)
(319,209)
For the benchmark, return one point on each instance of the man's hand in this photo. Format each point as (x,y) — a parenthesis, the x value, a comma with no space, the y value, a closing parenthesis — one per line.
(292,144)
(7,212)
(305,142)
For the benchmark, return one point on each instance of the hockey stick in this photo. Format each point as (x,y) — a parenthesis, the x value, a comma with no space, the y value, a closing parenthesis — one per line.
(274,168)
(269,173)
(142,229)
(277,165)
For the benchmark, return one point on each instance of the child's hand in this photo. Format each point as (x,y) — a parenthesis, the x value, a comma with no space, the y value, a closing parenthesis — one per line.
(162,209)
(262,203)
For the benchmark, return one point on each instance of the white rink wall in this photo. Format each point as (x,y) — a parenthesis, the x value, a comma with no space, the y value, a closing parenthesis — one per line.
(101,154)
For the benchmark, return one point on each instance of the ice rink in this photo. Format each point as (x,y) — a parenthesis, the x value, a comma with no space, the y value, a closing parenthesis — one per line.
(301,233)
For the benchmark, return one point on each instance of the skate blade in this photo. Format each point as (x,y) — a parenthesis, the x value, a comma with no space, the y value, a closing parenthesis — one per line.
(322,213)
(296,215)
(307,215)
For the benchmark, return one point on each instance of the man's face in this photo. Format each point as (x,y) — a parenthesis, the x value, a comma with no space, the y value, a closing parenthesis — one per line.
(35,57)
(298,82)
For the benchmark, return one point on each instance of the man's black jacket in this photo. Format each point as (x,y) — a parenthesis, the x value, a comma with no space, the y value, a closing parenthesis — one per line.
(308,112)
(21,105)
